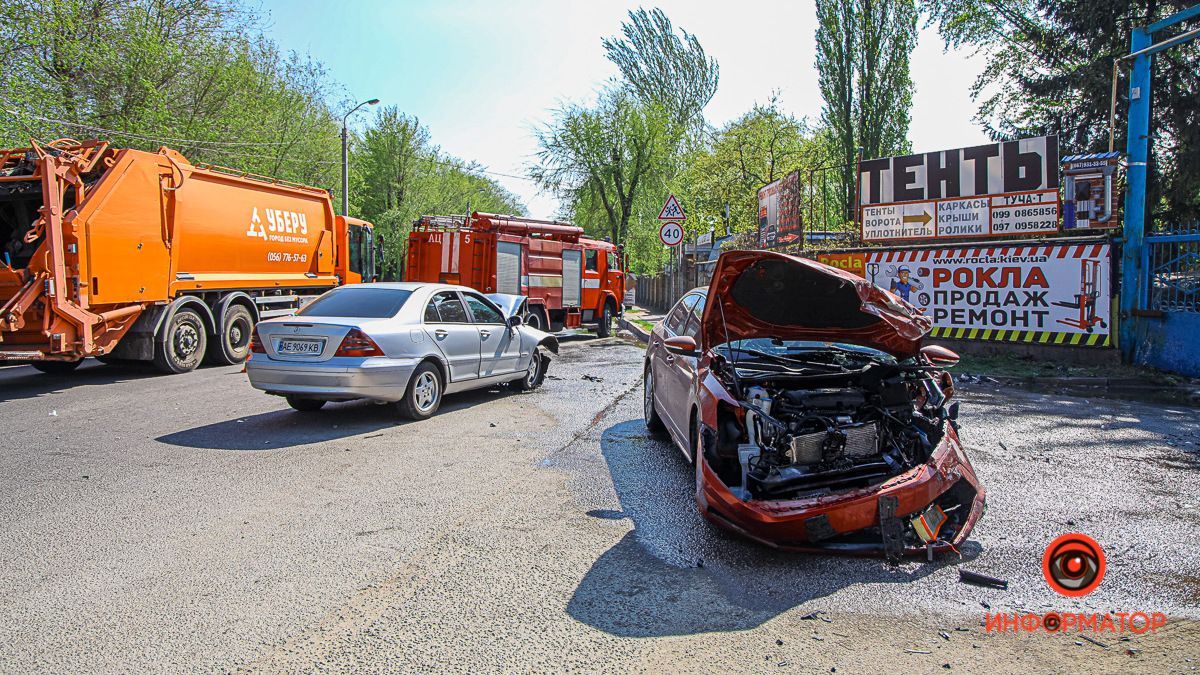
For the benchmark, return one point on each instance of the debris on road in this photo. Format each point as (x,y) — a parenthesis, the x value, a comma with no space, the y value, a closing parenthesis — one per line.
(917,651)
(977,579)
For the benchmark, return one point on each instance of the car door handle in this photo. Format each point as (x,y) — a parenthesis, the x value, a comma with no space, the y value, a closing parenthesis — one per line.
(439,333)
(670,358)
(485,334)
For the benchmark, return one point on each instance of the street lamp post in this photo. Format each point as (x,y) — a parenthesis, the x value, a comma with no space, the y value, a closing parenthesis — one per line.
(345,156)
(479,191)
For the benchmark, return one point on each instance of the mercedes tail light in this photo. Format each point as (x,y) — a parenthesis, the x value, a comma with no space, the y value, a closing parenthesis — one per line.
(357,343)
(256,344)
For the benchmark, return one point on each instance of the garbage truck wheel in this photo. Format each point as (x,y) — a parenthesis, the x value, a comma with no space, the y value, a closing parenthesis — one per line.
(182,347)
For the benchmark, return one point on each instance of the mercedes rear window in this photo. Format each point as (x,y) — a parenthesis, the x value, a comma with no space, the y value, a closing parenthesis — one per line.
(358,302)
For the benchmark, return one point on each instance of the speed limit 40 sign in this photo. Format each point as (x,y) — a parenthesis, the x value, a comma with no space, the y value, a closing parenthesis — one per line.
(671,233)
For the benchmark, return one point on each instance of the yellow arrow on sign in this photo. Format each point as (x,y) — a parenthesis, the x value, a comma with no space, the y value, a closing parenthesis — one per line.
(923,219)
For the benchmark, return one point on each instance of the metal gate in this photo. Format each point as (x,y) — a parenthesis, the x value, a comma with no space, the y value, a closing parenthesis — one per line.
(572,274)
(1168,314)
(508,268)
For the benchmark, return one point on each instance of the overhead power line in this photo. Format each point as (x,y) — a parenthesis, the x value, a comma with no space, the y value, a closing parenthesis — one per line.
(223,146)
(161,139)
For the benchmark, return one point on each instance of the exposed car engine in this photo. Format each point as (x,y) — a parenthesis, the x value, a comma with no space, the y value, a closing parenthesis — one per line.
(810,435)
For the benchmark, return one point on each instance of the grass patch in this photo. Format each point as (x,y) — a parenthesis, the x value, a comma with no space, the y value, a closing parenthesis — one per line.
(1024,366)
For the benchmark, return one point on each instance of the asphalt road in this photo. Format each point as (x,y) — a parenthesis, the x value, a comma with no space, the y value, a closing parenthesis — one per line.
(191,523)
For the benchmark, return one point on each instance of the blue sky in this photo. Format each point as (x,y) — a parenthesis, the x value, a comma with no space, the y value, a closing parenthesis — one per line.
(482,75)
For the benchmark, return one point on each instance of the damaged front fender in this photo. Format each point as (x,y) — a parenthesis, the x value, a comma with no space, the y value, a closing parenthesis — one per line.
(850,522)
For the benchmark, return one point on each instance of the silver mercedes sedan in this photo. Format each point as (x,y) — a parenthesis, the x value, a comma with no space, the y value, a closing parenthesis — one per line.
(401,343)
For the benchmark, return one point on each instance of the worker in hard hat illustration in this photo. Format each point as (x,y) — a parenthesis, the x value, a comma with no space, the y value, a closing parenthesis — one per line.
(903,285)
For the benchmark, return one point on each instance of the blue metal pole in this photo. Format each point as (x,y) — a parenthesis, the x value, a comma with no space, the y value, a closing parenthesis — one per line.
(1137,150)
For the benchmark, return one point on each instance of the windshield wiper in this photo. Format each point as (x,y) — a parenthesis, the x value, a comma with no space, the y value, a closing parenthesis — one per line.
(837,350)
(785,361)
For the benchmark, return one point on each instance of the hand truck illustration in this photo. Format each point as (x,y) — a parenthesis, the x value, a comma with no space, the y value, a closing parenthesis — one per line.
(1085,300)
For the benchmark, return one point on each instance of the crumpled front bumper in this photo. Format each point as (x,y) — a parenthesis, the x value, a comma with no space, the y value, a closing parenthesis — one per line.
(846,522)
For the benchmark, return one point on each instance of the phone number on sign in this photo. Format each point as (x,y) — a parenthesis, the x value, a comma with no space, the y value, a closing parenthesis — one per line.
(1033,212)
(279,256)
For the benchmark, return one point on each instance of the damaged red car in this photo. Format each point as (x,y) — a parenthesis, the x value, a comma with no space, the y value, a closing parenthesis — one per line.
(814,417)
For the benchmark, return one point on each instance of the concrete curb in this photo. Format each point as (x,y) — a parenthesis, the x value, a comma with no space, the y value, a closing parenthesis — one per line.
(641,334)
(1110,383)
(1093,386)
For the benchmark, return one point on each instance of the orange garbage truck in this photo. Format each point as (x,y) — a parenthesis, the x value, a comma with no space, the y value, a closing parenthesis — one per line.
(569,279)
(124,254)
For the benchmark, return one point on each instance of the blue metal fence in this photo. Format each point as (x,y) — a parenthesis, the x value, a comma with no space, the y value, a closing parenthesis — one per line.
(1168,326)
(1172,259)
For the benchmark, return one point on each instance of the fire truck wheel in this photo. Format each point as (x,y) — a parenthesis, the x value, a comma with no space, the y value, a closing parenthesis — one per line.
(536,318)
(183,345)
(56,367)
(605,327)
(232,344)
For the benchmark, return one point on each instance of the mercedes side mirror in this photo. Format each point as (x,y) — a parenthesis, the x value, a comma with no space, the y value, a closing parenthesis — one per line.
(514,321)
(682,345)
(939,356)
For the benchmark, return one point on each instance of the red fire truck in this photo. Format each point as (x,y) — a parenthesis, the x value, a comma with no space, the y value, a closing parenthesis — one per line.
(570,280)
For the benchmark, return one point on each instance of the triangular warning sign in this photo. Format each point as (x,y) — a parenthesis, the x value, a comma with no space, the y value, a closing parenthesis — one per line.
(671,210)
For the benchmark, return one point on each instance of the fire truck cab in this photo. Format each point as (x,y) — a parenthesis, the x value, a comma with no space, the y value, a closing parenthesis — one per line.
(569,279)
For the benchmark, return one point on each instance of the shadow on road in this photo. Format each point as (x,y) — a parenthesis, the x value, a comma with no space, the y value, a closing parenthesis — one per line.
(22,382)
(288,428)
(675,574)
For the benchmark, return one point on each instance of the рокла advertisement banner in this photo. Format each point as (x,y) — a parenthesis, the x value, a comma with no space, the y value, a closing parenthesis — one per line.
(1046,293)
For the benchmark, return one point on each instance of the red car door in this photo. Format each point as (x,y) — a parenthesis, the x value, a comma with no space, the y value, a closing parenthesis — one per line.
(673,374)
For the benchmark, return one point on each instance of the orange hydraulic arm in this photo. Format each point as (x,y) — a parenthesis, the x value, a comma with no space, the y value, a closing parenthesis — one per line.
(47,276)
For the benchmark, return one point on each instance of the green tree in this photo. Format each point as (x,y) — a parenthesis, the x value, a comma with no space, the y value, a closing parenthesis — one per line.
(612,164)
(863,50)
(606,157)
(196,75)
(394,156)
(1049,71)
(761,146)
(664,68)
(400,175)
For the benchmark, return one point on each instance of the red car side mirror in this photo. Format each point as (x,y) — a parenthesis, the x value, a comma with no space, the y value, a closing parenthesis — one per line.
(939,356)
(682,345)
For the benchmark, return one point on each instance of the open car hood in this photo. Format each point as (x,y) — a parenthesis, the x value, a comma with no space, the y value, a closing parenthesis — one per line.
(511,305)
(765,294)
